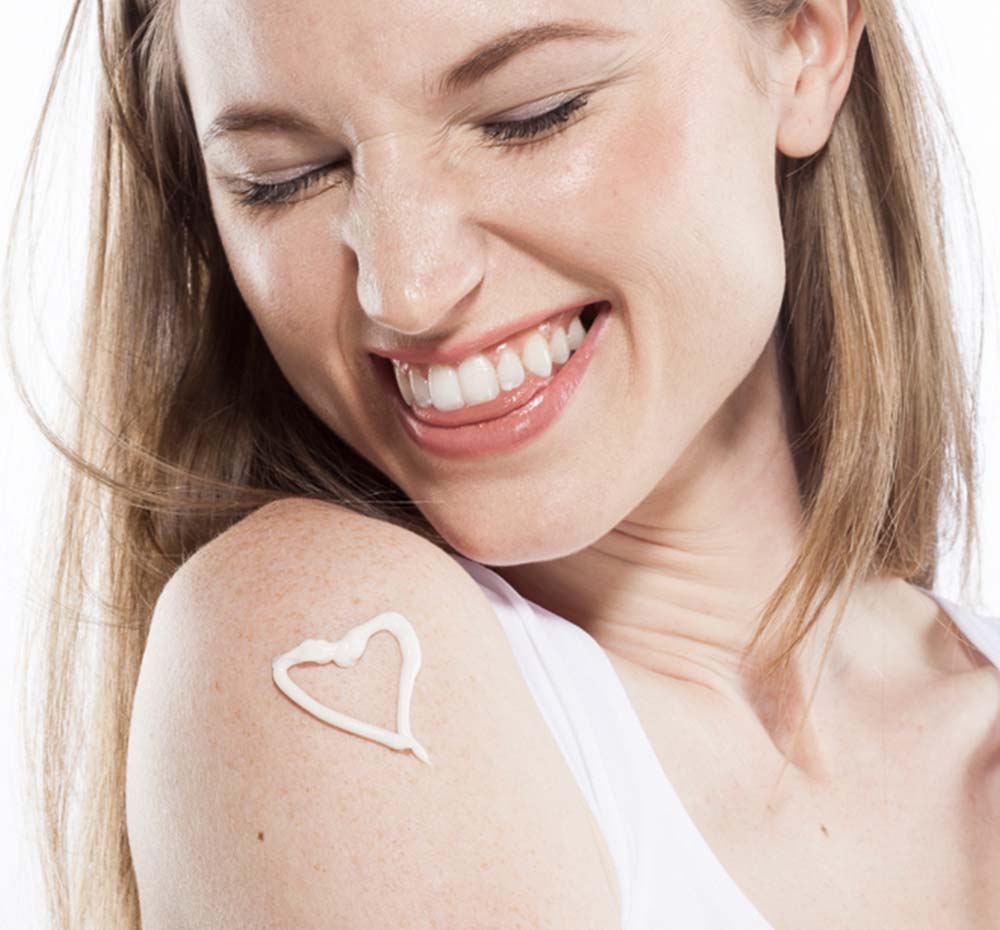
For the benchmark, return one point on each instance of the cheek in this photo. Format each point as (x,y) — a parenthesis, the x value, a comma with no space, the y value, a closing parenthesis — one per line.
(664,190)
(681,213)
(293,286)
(269,271)
(295,293)
(677,206)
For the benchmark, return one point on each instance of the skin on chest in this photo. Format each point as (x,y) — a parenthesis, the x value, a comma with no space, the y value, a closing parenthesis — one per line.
(913,857)
(903,830)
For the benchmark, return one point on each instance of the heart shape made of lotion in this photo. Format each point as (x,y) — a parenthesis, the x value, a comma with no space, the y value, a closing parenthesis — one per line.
(345,652)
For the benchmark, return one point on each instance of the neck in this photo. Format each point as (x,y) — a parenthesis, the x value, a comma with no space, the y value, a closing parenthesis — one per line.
(677,586)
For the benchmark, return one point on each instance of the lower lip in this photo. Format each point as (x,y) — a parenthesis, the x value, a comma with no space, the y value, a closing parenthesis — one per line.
(513,429)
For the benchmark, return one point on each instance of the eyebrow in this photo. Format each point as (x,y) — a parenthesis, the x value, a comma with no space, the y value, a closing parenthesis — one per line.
(495,52)
(486,58)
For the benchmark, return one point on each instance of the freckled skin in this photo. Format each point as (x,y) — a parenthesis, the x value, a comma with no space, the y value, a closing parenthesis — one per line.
(659,195)
(661,508)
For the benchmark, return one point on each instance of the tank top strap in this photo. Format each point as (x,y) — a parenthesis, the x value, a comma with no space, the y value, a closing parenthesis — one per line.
(981,630)
(543,650)
(668,874)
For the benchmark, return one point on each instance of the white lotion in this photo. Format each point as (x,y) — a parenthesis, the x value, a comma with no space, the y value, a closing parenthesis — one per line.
(345,652)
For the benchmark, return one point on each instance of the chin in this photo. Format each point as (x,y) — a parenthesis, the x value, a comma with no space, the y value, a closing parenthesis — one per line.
(510,541)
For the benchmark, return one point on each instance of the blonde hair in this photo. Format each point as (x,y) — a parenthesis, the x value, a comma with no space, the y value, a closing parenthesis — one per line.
(199,427)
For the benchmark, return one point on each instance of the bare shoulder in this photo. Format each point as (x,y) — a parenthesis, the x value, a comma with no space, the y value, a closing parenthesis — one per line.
(245,810)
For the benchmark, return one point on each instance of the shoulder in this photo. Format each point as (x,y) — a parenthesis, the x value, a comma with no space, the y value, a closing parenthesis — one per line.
(297,554)
(955,707)
(268,815)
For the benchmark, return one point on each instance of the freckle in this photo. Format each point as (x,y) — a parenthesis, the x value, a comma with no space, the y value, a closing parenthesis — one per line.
(824,829)
(260,836)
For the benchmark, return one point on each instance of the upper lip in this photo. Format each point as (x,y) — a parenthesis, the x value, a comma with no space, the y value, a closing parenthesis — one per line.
(453,351)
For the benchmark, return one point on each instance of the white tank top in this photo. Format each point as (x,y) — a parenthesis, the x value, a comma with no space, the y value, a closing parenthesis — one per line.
(667,873)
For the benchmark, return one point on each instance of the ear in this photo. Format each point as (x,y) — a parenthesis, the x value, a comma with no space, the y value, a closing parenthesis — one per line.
(822,41)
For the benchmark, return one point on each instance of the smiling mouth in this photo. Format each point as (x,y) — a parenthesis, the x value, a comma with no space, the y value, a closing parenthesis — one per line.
(486,388)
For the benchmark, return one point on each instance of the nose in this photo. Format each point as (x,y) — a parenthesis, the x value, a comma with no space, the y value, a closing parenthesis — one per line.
(417,253)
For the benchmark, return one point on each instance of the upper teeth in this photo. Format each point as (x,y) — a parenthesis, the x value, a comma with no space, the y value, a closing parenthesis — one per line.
(477,379)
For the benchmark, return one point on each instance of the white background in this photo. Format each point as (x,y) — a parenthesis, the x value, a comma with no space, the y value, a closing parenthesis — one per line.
(960,40)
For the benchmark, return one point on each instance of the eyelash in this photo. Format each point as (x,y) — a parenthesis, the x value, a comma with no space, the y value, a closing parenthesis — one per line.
(262,195)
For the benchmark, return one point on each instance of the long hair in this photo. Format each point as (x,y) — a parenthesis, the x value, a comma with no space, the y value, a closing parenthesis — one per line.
(183,422)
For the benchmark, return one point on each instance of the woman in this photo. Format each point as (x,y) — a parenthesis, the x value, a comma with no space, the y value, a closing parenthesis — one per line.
(645,306)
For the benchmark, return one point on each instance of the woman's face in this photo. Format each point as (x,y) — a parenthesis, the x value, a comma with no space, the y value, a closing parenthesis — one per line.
(657,195)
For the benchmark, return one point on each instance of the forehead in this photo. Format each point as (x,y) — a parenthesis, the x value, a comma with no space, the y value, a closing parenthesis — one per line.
(332,54)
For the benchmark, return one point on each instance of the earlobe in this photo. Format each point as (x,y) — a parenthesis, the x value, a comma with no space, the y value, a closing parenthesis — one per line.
(826,34)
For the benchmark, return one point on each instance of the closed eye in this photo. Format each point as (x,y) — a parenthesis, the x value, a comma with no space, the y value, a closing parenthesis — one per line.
(536,125)
(255,194)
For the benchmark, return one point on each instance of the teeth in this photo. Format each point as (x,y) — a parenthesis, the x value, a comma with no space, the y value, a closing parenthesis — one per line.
(403,382)
(476,381)
(536,355)
(510,370)
(446,392)
(558,346)
(421,389)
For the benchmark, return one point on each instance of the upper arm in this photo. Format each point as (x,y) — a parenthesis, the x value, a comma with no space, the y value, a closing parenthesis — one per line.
(246,811)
